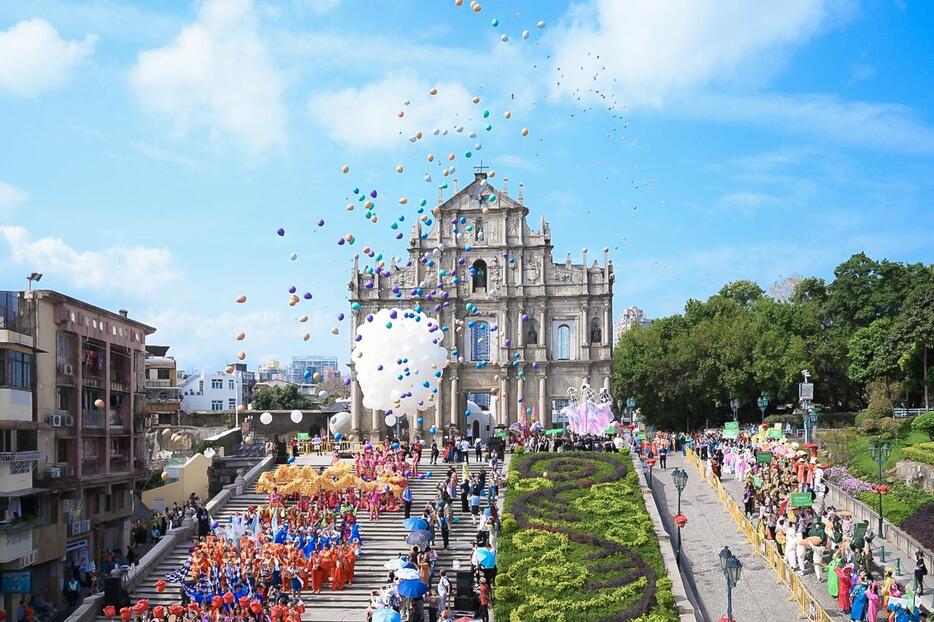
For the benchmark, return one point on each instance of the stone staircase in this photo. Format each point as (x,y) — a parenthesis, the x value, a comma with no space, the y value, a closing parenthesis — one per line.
(382,540)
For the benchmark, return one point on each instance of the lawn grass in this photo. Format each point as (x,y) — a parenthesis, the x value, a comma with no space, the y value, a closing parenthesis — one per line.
(864,466)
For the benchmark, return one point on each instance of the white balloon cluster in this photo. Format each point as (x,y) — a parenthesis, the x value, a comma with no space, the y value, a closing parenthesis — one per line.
(399,362)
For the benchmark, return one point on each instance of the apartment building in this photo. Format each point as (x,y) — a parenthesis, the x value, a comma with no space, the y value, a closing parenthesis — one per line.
(71,416)
(162,391)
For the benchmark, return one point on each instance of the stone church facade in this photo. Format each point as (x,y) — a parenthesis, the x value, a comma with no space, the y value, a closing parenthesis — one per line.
(556,316)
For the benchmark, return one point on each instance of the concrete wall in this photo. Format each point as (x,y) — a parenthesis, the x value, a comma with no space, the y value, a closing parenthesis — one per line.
(312,421)
(192,478)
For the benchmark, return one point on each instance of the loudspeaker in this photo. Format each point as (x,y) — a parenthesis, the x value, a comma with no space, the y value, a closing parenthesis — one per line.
(464,604)
(113,588)
(464,583)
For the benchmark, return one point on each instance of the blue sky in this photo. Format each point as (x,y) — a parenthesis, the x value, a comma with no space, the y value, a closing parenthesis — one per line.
(148,157)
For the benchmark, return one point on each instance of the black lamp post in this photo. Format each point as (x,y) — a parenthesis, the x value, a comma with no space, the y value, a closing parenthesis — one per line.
(880,452)
(680,478)
(732,570)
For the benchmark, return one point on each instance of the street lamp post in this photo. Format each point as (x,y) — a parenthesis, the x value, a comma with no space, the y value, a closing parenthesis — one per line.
(631,405)
(735,404)
(732,569)
(880,452)
(680,478)
(763,403)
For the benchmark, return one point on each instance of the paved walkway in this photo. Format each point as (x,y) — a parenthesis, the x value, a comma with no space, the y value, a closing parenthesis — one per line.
(759,596)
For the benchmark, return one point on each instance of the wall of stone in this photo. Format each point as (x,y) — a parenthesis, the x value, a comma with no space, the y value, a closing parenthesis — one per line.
(916,474)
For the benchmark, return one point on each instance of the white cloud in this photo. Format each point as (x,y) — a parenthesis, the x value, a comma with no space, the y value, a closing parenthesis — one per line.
(34,58)
(11,196)
(207,340)
(367,117)
(649,48)
(216,74)
(874,124)
(134,270)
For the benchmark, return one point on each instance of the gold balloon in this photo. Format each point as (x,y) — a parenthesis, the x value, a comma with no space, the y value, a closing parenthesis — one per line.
(241,299)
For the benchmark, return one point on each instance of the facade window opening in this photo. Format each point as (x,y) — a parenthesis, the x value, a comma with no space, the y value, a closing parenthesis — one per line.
(531,337)
(480,341)
(479,275)
(564,342)
(478,229)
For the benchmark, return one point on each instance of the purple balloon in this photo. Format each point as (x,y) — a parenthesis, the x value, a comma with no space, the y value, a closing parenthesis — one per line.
(292,290)
(321,222)
(280,232)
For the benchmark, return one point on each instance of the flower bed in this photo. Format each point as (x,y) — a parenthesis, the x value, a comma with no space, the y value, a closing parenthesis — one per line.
(578,545)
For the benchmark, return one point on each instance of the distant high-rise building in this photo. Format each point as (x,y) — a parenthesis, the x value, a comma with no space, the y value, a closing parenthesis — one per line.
(631,317)
(324,365)
(271,370)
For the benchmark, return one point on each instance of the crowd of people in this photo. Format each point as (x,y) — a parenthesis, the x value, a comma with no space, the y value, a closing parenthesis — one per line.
(812,537)
(419,563)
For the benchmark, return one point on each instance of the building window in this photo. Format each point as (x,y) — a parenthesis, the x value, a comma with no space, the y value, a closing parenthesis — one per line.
(217,383)
(556,407)
(230,385)
(478,275)
(531,336)
(162,374)
(478,230)
(480,399)
(480,341)
(200,387)
(15,369)
(231,404)
(217,404)
(564,342)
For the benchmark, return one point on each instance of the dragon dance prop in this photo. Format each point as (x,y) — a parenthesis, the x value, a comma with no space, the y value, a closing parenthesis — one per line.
(339,477)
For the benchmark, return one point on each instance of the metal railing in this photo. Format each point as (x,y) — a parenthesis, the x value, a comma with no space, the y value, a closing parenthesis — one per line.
(93,419)
(908,412)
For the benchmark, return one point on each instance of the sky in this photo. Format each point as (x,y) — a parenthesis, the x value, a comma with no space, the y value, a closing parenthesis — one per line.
(150,151)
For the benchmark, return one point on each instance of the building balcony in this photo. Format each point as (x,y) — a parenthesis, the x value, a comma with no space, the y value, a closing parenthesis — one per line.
(16,540)
(153,383)
(16,404)
(91,465)
(93,421)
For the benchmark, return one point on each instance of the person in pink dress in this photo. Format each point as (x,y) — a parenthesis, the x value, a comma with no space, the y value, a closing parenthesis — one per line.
(872,604)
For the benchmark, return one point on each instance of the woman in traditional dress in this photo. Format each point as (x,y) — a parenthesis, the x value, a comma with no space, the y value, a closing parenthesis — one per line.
(872,602)
(843,589)
(832,581)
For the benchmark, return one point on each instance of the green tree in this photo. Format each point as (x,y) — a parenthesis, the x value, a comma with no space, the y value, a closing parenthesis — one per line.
(874,353)
(743,293)
(279,398)
(915,329)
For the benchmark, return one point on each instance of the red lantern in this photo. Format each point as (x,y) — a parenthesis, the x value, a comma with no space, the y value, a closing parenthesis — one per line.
(176,610)
(194,608)
(256,606)
(124,613)
(110,611)
(681,520)
(141,607)
(216,602)
(158,612)
(160,585)
(229,597)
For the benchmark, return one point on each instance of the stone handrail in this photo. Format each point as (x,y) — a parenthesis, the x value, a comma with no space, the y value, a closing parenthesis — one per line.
(92,605)
(894,536)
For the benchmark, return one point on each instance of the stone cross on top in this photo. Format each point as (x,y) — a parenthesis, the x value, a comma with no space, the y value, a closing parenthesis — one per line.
(480,171)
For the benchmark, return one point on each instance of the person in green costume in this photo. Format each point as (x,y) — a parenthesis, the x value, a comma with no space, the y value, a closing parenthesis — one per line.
(832,580)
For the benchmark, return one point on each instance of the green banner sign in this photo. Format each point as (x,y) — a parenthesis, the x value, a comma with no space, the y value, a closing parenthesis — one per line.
(764,457)
(773,433)
(859,533)
(731,425)
(757,481)
(730,434)
(801,499)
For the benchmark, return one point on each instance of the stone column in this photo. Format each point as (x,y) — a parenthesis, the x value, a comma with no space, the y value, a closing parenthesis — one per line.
(374,424)
(582,334)
(520,328)
(544,332)
(503,412)
(520,396)
(454,400)
(607,327)
(355,406)
(541,400)
(439,403)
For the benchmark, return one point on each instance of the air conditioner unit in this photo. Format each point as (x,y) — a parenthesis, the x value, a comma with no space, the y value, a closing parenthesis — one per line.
(55,472)
(68,420)
(57,421)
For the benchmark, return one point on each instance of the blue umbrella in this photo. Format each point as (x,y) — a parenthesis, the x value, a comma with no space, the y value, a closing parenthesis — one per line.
(414,524)
(385,615)
(419,537)
(397,563)
(412,588)
(486,557)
